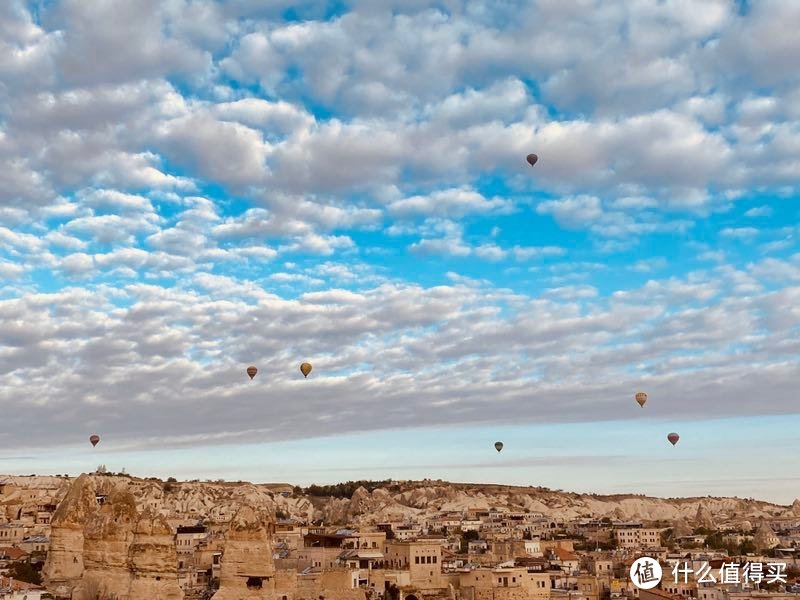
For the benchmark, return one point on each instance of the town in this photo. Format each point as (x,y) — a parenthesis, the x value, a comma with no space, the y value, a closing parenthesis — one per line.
(114,536)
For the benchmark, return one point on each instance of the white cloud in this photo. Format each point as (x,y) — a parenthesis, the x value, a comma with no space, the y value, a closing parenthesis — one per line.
(453,203)
(528,252)
(280,117)
(573,212)
(222,151)
(650,264)
(759,211)
(739,233)
(447,246)
(121,41)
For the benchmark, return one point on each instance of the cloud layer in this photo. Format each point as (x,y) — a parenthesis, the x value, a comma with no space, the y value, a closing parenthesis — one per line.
(192,187)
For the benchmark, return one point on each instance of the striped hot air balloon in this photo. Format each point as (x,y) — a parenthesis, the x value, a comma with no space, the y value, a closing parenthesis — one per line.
(251,371)
(641,398)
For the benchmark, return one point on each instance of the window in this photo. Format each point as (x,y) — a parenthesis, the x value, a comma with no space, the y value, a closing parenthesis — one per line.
(254,583)
(416,560)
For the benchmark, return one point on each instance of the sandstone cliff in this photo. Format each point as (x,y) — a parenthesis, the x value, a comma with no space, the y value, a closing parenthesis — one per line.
(152,560)
(101,543)
(247,571)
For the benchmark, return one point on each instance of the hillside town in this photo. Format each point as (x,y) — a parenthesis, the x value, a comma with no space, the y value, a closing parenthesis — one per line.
(106,536)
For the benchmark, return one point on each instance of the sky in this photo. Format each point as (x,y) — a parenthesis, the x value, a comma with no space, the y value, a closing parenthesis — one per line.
(190,187)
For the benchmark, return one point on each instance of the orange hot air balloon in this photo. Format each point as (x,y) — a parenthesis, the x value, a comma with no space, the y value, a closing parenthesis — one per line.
(305,369)
(673,438)
(641,398)
(532,159)
(94,439)
(251,371)
(498,446)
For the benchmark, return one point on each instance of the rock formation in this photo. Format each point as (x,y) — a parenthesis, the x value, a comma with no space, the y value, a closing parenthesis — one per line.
(64,566)
(101,544)
(704,518)
(680,529)
(765,538)
(107,537)
(153,560)
(247,571)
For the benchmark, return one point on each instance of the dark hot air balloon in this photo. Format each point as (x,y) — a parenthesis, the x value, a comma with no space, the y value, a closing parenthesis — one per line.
(305,369)
(94,439)
(673,438)
(532,158)
(641,398)
(498,446)
(251,371)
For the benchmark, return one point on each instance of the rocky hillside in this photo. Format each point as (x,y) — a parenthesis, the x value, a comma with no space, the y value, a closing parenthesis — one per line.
(219,501)
(426,498)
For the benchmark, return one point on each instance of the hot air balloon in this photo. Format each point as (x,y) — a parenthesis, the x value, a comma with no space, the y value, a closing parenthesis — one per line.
(94,439)
(498,446)
(251,370)
(641,398)
(532,158)
(673,438)
(305,369)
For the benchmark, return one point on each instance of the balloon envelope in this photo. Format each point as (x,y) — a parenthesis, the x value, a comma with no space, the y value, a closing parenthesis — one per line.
(94,439)
(305,369)
(532,158)
(251,371)
(498,446)
(641,398)
(673,438)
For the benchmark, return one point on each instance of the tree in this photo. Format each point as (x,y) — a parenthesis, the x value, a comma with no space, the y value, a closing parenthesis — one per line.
(716,541)
(345,490)
(747,547)
(666,535)
(24,571)
(471,536)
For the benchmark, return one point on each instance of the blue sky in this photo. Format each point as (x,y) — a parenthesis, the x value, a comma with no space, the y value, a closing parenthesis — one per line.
(192,187)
